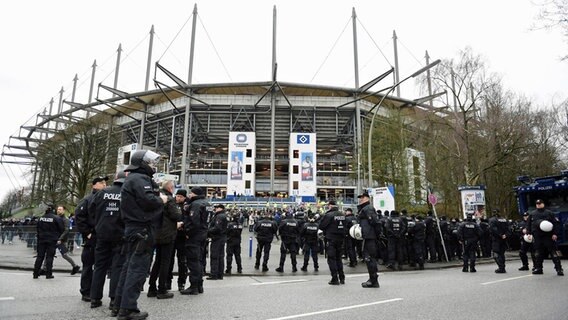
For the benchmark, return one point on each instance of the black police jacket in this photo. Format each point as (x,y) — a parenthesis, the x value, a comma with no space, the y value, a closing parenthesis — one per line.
(49,228)
(234,232)
(395,227)
(85,221)
(539,215)
(499,227)
(218,226)
(469,232)
(140,199)
(289,230)
(333,224)
(265,229)
(309,232)
(369,220)
(418,231)
(195,219)
(105,206)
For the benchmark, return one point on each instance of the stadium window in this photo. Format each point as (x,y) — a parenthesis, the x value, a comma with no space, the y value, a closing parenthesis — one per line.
(248,168)
(247,184)
(249,153)
(295,185)
(296,154)
(295,169)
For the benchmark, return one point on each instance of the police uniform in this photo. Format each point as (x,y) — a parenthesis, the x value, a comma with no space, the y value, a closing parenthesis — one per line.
(218,233)
(234,232)
(543,240)
(140,204)
(334,230)
(265,229)
(469,233)
(289,231)
(109,228)
(395,231)
(49,228)
(309,234)
(194,218)
(500,232)
(369,221)
(525,247)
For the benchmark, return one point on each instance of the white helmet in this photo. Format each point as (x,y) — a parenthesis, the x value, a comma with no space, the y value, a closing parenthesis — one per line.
(546,226)
(528,238)
(320,234)
(355,232)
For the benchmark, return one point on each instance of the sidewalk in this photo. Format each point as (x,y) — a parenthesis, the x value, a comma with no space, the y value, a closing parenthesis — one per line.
(18,256)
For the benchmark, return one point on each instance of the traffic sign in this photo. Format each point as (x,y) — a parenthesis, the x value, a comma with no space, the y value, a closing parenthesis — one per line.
(432,199)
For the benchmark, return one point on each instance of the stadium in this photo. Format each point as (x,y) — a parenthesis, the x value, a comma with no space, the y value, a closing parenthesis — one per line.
(242,140)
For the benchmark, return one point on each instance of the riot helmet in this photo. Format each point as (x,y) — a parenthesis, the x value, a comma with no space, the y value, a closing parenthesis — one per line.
(145,159)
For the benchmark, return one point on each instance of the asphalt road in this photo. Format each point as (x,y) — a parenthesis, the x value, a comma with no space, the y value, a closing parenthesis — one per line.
(428,294)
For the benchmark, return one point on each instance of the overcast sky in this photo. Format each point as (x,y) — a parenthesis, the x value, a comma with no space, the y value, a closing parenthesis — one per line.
(46,43)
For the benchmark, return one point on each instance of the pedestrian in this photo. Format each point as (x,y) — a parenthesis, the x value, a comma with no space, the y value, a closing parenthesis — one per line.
(289,231)
(217,232)
(109,229)
(86,226)
(544,227)
(333,226)
(265,230)
(49,229)
(368,219)
(140,203)
(179,248)
(469,233)
(500,232)
(194,217)
(309,233)
(234,232)
(526,244)
(62,242)
(164,238)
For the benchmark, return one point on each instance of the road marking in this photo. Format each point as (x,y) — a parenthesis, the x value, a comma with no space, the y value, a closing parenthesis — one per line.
(7,298)
(15,273)
(508,279)
(337,309)
(360,275)
(278,282)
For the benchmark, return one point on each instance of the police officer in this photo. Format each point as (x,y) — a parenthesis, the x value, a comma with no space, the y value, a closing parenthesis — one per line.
(309,233)
(500,232)
(454,242)
(49,228)
(485,242)
(369,222)
(430,224)
(417,234)
(86,226)
(395,231)
(265,230)
(140,203)
(164,238)
(349,244)
(289,231)
(469,233)
(234,232)
(526,246)
(544,241)
(179,248)
(217,232)
(109,228)
(334,230)
(194,218)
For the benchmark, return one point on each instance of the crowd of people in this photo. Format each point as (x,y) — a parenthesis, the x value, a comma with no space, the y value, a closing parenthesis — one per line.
(134,231)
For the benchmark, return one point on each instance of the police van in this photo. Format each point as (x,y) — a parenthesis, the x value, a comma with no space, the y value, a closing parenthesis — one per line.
(553,190)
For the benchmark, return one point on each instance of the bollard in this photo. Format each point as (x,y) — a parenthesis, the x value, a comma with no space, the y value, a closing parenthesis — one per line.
(250,247)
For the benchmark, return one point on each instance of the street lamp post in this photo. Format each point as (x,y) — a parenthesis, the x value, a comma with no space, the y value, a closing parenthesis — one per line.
(378,105)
